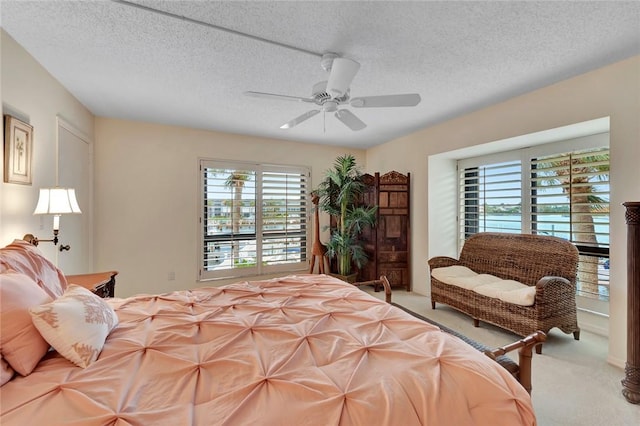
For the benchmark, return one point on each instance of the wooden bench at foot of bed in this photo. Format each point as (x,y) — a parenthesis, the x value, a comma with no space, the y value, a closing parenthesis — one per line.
(521,370)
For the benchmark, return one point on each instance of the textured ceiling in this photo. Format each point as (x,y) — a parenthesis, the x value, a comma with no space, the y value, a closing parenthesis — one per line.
(127,62)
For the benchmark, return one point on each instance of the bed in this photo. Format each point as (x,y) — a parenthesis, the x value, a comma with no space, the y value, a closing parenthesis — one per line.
(300,349)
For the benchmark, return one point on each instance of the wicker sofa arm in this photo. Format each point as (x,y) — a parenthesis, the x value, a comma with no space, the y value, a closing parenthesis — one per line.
(442,261)
(552,288)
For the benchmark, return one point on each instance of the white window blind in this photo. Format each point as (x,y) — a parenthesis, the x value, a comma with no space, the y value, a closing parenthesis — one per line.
(254,218)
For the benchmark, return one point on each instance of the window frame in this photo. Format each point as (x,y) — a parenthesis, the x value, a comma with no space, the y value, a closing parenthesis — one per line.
(525,156)
(259,268)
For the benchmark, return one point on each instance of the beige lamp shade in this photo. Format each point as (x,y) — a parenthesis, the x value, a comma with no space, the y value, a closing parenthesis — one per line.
(57,201)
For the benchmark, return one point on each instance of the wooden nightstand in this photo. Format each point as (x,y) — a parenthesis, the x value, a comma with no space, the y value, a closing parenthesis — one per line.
(101,283)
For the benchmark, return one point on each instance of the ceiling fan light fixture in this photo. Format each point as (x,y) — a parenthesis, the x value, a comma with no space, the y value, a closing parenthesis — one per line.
(330,106)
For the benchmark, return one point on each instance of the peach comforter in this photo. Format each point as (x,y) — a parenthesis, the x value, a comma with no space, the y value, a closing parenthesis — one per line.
(303,350)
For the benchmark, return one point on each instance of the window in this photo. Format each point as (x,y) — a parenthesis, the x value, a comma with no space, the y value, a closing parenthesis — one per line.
(559,189)
(254,218)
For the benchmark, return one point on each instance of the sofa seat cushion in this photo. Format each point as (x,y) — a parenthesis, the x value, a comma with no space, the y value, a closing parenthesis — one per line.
(509,291)
(460,276)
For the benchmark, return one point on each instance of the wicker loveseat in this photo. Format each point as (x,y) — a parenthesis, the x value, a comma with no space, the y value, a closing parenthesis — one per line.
(547,263)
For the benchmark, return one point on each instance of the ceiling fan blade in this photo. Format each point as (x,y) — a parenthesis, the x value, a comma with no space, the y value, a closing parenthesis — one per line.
(343,70)
(350,120)
(307,115)
(404,100)
(276,96)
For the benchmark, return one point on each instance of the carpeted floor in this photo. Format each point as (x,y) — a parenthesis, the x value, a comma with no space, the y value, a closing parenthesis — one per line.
(572,382)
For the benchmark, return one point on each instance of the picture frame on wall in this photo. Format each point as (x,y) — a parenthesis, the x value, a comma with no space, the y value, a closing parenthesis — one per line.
(18,151)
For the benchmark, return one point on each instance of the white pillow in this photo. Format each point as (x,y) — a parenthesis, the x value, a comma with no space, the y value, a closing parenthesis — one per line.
(76,324)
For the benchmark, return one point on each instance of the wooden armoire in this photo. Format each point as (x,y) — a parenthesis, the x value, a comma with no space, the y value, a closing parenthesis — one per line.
(388,243)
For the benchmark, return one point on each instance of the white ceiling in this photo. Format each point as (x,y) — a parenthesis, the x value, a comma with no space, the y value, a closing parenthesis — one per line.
(126,62)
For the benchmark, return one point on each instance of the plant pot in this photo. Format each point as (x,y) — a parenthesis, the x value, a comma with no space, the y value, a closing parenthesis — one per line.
(351,278)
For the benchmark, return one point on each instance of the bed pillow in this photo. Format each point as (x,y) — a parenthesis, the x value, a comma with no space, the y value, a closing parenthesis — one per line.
(21,345)
(27,259)
(6,372)
(76,324)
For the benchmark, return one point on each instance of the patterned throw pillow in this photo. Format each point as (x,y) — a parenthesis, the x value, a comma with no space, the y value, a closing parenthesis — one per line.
(76,324)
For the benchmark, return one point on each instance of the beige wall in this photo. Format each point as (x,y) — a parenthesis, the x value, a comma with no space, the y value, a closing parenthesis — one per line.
(612,91)
(31,94)
(146,195)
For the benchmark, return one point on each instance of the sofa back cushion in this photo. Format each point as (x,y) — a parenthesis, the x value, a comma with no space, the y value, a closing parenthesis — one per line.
(521,257)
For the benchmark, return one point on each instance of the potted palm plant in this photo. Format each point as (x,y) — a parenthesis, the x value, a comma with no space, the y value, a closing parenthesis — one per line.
(339,193)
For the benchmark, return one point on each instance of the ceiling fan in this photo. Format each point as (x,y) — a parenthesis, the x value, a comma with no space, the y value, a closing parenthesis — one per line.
(331,94)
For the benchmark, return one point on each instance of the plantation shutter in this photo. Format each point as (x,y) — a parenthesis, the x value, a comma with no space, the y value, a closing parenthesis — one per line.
(490,198)
(284,216)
